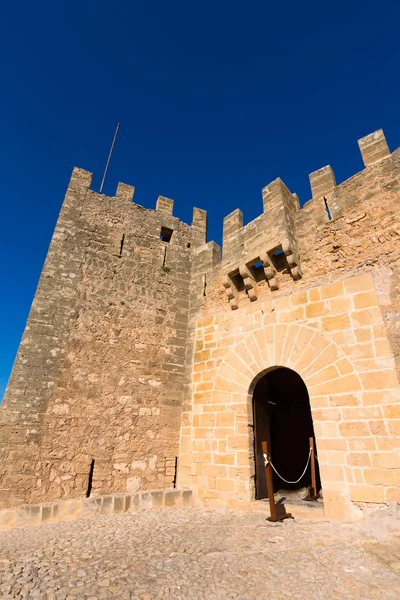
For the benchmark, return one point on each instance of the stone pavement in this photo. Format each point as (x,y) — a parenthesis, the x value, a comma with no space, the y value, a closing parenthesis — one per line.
(196,554)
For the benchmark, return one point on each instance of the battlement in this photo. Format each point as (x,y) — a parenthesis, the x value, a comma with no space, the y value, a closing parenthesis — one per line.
(81,182)
(270,243)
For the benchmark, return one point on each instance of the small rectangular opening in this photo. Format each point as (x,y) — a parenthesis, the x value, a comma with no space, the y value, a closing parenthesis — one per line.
(256,269)
(278,259)
(166,234)
(237,280)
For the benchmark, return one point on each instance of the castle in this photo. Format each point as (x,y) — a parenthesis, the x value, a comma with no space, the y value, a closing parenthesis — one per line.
(150,362)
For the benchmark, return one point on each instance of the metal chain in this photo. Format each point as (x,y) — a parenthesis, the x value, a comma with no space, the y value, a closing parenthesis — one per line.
(283,479)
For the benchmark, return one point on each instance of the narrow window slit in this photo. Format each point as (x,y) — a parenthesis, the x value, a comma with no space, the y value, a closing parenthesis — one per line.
(205,285)
(175,472)
(165,256)
(90,479)
(122,244)
(328,212)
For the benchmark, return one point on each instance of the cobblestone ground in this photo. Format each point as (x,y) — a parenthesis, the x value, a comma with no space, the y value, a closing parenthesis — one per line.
(196,554)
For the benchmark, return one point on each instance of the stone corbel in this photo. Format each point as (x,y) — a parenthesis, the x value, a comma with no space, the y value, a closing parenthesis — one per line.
(249,282)
(292,259)
(269,272)
(231,292)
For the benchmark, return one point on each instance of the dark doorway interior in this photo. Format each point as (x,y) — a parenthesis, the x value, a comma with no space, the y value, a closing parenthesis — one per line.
(282,417)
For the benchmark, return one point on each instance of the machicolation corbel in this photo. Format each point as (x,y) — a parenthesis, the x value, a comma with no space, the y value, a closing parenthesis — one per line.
(249,282)
(231,292)
(269,271)
(292,260)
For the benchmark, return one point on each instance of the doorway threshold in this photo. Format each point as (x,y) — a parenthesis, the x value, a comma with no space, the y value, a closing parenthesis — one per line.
(294,503)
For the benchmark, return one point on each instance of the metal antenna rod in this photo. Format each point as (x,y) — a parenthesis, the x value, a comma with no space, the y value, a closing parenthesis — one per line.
(109,158)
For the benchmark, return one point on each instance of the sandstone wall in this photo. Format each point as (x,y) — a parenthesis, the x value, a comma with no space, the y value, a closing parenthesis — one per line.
(312,289)
(140,329)
(101,373)
(306,248)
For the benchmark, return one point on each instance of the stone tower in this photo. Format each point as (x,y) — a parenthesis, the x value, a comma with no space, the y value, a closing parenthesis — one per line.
(102,371)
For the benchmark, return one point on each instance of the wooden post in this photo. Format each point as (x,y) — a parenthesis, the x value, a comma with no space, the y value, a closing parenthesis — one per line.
(277,510)
(312,460)
(270,482)
(312,492)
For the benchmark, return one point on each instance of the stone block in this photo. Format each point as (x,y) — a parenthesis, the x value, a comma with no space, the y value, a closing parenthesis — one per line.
(359,459)
(29,515)
(331,290)
(361,283)
(47,513)
(165,205)
(367,493)
(225,485)
(187,498)
(119,504)
(354,429)
(90,507)
(128,503)
(146,500)
(107,505)
(365,299)
(157,499)
(334,323)
(69,509)
(386,460)
(322,182)
(125,191)
(379,477)
(172,498)
(335,506)
(8,518)
(373,147)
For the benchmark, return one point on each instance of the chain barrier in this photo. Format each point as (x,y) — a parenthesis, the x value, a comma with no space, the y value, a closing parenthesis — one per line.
(266,461)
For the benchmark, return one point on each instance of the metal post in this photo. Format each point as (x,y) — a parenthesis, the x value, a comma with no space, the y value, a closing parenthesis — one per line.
(109,158)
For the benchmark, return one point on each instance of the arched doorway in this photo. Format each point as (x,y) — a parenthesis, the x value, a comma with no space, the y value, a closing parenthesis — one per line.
(282,418)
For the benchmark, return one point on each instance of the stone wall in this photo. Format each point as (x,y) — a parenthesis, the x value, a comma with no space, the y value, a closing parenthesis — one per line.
(140,330)
(316,290)
(101,373)
(80,508)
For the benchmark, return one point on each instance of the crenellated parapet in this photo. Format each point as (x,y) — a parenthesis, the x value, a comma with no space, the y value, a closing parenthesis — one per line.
(267,249)
(81,182)
(373,148)
(258,251)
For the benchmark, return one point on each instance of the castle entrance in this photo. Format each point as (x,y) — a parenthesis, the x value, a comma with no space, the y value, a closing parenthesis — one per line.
(282,418)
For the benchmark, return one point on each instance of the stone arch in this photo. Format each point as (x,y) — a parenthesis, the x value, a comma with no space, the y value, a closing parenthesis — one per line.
(326,371)
(320,362)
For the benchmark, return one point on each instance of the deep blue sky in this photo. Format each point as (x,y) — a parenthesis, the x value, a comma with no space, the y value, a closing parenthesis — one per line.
(215,99)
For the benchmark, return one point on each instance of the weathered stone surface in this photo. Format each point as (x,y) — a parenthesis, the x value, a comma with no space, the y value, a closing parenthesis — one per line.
(133,358)
(100,376)
(197,554)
